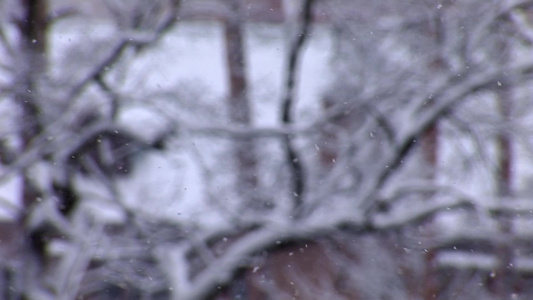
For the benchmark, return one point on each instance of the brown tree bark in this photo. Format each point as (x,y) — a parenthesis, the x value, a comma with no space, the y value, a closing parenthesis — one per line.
(504,141)
(238,102)
(505,273)
(430,147)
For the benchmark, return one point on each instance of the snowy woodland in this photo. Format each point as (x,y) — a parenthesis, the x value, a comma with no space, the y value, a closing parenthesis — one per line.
(266,149)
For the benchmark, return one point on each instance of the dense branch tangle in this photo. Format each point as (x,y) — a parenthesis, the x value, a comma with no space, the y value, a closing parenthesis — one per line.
(390,117)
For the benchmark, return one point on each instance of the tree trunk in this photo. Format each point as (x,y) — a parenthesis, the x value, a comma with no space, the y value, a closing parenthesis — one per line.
(33,40)
(294,161)
(430,146)
(238,102)
(505,273)
(32,30)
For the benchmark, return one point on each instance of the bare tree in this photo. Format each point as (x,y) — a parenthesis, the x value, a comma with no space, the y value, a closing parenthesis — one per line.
(369,178)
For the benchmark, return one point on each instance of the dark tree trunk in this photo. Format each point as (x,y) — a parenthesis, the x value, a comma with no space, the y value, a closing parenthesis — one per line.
(505,273)
(430,146)
(294,160)
(505,155)
(33,44)
(32,48)
(238,102)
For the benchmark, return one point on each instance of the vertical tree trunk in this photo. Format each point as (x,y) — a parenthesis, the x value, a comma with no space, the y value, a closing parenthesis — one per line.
(238,102)
(430,147)
(294,160)
(33,40)
(505,274)
(505,155)
(32,30)
(32,36)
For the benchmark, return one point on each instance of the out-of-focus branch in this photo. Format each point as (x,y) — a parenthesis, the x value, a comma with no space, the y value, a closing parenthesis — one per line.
(293,159)
(449,97)
(134,39)
(522,25)
(220,270)
(42,144)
